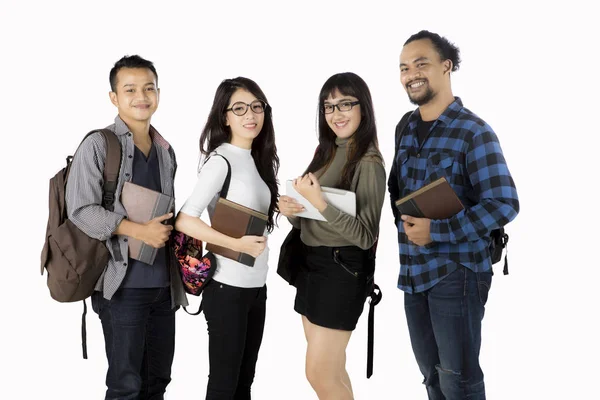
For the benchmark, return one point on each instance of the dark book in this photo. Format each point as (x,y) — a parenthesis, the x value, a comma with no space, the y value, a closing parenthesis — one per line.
(235,220)
(436,200)
(142,205)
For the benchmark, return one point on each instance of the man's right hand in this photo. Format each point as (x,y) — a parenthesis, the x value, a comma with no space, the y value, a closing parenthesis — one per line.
(154,233)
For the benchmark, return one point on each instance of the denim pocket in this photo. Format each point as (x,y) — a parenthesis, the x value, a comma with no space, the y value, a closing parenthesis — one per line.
(484,283)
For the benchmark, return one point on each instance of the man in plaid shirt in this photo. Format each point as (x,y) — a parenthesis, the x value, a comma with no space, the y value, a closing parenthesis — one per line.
(446,270)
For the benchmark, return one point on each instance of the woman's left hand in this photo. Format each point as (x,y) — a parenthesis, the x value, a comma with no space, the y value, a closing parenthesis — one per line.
(308,186)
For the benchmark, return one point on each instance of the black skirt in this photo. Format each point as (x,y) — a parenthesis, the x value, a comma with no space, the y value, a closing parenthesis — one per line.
(333,284)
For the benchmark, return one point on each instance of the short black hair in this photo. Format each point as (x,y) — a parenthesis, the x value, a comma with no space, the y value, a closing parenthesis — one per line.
(446,49)
(134,61)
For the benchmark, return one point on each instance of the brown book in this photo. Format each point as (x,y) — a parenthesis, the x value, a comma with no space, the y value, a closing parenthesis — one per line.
(235,220)
(436,200)
(142,205)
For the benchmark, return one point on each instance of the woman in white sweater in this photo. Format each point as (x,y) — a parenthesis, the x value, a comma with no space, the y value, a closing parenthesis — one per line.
(240,129)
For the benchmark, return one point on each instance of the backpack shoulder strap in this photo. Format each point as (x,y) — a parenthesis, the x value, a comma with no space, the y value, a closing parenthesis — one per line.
(112,165)
(400,128)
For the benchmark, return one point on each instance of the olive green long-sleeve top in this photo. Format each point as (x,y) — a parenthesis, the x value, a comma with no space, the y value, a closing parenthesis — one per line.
(341,229)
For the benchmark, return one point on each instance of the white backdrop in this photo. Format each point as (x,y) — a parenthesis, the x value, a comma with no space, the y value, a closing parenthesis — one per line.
(530,71)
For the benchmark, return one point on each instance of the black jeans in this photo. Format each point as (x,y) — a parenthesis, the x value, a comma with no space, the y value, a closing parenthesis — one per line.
(139,333)
(236,320)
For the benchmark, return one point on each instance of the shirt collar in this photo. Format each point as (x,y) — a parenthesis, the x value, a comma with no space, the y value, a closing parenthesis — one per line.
(449,114)
(121,129)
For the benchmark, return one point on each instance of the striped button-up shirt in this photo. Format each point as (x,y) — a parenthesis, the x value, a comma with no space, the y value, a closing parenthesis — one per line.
(464,149)
(84,201)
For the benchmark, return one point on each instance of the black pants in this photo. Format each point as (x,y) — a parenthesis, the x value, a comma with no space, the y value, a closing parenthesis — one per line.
(236,319)
(139,333)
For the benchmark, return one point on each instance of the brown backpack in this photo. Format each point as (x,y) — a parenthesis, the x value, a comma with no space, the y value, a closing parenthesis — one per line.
(74,261)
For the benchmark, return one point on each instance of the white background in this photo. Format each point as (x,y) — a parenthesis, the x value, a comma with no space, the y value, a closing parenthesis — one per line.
(531,71)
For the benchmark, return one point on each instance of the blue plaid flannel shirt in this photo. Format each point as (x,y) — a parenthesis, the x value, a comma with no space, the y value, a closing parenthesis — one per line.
(464,149)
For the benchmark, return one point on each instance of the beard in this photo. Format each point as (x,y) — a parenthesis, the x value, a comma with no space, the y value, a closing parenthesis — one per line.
(422,99)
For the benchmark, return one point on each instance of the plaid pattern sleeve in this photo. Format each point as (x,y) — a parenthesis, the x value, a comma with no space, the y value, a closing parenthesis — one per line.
(464,149)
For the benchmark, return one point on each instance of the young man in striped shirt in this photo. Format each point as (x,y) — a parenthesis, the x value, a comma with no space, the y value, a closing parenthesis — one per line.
(446,270)
(135,301)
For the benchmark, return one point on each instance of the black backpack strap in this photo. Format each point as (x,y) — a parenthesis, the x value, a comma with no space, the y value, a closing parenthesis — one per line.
(375,299)
(84,331)
(400,128)
(505,244)
(393,181)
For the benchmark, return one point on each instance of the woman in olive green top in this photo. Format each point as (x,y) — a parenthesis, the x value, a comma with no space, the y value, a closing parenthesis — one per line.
(338,254)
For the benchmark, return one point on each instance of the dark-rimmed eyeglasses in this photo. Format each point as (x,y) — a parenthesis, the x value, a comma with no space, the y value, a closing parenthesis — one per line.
(240,108)
(343,106)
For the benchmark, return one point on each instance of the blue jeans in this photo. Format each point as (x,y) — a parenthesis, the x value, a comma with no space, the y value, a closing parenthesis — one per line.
(139,334)
(444,323)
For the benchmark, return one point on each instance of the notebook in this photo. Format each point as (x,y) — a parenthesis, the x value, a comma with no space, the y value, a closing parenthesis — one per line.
(343,200)
(235,220)
(142,205)
(437,200)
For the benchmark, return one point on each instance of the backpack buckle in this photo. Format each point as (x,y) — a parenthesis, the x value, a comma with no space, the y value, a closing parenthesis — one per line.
(108,198)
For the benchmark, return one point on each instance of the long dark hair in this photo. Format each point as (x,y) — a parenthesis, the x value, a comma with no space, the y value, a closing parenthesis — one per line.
(263,151)
(348,84)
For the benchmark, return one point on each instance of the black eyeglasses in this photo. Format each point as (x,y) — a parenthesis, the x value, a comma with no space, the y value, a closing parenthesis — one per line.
(344,106)
(240,108)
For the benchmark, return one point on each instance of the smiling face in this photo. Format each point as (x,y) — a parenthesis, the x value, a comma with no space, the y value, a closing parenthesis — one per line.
(136,95)
(343,123)
(244,128)
(422,74)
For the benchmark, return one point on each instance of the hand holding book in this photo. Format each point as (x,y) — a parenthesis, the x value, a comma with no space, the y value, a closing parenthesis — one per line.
(252,245)
(418,230)
(295,204)
(149,209)
(308,186)
(437,200)
(289,207)
(240,222)
(156,232)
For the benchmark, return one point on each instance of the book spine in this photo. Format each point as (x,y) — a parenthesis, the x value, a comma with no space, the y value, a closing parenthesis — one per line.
(256,227)
(246,259)
(147,254)
(410,208)
(162,206)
